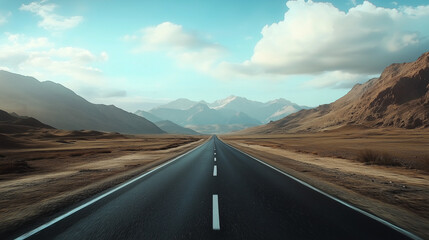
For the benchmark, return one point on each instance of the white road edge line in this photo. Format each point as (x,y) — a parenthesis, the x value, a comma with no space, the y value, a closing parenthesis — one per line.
(216,223)
(214,171)
(65,215)
(401,230)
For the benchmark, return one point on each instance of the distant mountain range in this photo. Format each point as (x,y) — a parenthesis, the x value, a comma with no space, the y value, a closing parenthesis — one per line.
(149,116)
(225,115)
(263,112)
(398,98)
(61,108)
(172,128)
(166,125)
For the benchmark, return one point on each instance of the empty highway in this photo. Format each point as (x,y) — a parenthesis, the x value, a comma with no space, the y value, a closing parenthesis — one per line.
(213,192)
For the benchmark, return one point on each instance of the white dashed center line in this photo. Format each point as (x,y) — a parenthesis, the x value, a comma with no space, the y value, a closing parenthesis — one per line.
(214,171)
(216,223)
(215,159)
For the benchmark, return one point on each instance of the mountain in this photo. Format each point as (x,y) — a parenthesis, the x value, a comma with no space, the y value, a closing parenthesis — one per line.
(180,104)
(172,128)
(166,125)
(204,119)
(398,98)
(61,108)
(175,115)
(230,114)
(149,116)
(221,103)
(201,114)
(264,112)
(15,123)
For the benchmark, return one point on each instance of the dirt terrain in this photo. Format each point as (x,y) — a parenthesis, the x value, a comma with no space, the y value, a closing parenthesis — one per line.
(45,170)
(396,190)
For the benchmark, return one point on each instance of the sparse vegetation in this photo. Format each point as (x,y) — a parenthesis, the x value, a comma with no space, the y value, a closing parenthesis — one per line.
(422,164)
(392,147)
(425,164)
(14,166)
(369,156)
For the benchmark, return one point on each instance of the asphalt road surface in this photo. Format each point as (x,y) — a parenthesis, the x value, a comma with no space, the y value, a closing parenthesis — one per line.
(214,192)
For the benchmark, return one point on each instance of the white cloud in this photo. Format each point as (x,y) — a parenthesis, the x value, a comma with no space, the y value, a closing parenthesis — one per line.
(420,11)
(102,93)
(51,21)
(40,58)
(337,79)
(4,17)
(316,38)
(104,56)
(170,36)
(130,102)
(187,48)
(4,68)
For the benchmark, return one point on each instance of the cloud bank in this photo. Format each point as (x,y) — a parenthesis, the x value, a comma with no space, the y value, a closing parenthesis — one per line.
(316,37)
(4,17)
(51,21)
(185,47)
(43,59)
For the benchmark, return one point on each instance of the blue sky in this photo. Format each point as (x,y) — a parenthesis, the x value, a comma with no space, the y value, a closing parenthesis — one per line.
(139,54)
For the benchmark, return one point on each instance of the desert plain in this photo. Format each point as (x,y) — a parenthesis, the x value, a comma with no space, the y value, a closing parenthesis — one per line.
(43,171)
(383,171)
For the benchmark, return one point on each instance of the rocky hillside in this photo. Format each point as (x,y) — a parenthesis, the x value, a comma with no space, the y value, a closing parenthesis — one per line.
(398,98)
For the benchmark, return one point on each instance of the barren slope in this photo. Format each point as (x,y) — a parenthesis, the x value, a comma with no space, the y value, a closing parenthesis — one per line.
(398,98)
(61,108)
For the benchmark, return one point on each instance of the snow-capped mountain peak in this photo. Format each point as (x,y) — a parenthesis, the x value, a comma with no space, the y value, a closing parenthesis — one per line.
(223,102)
(225,114)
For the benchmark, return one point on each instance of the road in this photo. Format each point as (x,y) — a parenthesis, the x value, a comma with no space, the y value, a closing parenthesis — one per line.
(215,192)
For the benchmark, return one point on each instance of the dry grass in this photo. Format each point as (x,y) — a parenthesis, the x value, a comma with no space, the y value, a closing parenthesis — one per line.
(406,148)
(58,169)
(368,156)
(14,166)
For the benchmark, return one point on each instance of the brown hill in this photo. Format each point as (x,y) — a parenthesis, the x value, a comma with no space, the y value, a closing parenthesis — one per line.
(12,123)
(61,108)
(19,132)
(398,98)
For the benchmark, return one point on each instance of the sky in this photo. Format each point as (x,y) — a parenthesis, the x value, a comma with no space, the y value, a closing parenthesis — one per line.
(139,54)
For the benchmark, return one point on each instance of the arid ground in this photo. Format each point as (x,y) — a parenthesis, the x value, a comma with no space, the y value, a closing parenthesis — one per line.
(44,171)
(383,171)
